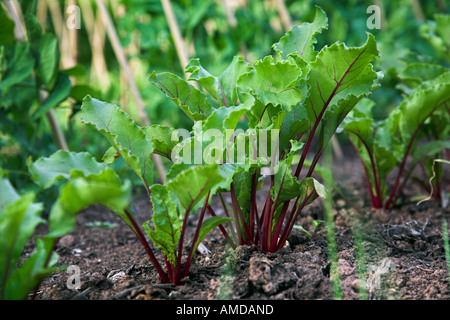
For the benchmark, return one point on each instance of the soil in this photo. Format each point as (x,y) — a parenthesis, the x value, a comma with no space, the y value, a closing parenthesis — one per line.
(402,254)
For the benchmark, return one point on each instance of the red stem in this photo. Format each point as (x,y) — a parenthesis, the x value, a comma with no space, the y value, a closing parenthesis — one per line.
(180,243)
(319,118)
(377,202)
(238,218)
(147,248)
(390,204)
(276,233)
(253,208)
(291,221)
(194,239)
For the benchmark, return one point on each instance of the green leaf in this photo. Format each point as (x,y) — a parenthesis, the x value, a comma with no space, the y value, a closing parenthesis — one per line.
(437,33)
(420,105)
(166,222)
(341,75)
(207,227)
(192,185)
(45,51)
(429,150)
(7,192)
(110,155)
(301,38)
(377,159)
(222,88)
(32,271)
(63,165)
(18,220)
(20,66)
(443,27)
(79,193)
(273,82)
(123,133)
(58,94)
(286,186)
(416,73)
(224,118)
(184,95)
(7,36)
(161,137)
(265,117)
(311,190)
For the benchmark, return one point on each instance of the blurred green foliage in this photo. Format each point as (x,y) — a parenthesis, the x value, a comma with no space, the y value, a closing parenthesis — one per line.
(407,34)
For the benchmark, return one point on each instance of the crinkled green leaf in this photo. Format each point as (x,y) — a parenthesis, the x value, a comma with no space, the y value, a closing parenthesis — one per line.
(193,184)
(166,222)
(123,133)
(63,165)
(420,105)
(340,74)
(192,101)
(162,138)
(301,38)
(339,78)
(273,82)
(416,73)
(265,117)
(296,121)
(224,118)
(223,87)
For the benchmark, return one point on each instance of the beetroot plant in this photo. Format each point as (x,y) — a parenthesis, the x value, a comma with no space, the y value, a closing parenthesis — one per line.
(173,202)
(411,136)
(252,120)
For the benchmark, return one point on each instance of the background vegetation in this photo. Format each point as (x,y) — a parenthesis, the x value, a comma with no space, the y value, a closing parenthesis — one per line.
(47,70)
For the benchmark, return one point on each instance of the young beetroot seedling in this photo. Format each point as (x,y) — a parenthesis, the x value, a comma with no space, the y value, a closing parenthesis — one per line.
(384,145)
(173,203)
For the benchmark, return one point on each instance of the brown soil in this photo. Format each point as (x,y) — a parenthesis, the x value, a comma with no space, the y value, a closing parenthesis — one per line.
(404,257)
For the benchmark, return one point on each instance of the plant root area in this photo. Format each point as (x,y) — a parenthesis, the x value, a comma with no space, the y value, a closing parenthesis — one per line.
(379,255)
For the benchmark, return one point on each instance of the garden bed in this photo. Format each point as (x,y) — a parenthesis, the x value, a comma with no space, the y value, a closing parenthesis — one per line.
(404,258)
